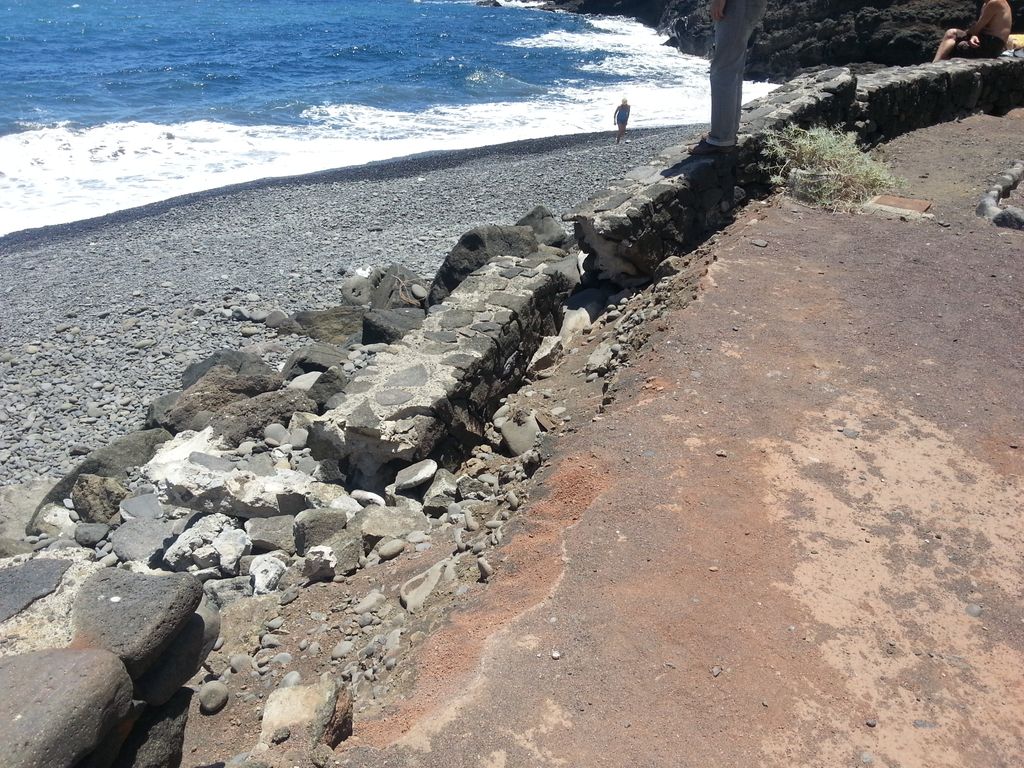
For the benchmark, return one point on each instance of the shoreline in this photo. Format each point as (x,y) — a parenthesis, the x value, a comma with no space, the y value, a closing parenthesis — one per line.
(378,170)
(101,316)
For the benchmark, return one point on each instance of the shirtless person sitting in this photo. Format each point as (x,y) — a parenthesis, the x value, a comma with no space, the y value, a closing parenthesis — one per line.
(986,39)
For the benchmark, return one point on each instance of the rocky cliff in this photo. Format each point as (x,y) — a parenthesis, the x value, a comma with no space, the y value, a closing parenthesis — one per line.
(802,34)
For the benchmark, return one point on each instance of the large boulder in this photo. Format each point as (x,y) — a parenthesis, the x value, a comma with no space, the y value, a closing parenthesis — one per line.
(57,705)
(271,533)
(395,287)
(182,658)
(17,505)
(547,229)
(236,361)
(330,383)
(142,540)
(476,248)
(316,357)
(98,499)
(336,325)
(191,471)
(157,737)
(218,387)
(317,526)
(314,714)
(133,615)
(245,419)
(376,523)
(131,450)
(386,326)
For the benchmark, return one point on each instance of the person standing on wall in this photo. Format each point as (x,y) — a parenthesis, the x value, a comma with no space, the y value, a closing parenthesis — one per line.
(621,117)
(734,21)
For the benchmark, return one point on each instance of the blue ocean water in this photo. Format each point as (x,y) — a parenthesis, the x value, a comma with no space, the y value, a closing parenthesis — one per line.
(108,104)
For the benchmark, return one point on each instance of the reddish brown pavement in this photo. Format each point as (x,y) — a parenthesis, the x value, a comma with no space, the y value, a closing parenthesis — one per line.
(794,538)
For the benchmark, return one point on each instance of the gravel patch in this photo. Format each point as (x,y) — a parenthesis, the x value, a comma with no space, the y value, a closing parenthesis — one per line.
(101,317)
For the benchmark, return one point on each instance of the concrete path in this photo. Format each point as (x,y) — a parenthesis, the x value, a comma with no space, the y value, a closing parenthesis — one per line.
(794,538)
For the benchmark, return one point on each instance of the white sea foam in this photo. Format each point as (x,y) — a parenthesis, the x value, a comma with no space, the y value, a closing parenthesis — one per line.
(51,175)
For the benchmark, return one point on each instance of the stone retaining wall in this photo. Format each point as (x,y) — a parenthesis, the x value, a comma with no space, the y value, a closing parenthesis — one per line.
(668,207)
(433,392)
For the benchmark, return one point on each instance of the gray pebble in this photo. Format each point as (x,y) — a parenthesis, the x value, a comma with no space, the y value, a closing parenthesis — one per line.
(342,649)
(290,680)
(212,697)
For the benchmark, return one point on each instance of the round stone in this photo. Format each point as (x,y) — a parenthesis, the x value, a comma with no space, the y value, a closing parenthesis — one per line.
(390,549)
(212,697)
(290,680)
(342,649)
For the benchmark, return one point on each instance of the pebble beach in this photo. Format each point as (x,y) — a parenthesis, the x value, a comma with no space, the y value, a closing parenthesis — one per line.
(100,317)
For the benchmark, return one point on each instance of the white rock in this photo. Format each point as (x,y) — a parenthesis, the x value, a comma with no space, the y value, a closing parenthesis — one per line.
(206,557)
(56,521)
(319,564)
(306,381)
(178,556)
(231,544)
(305,710)
(185,482)
(286,492)
(346,504)
(266,572)
(574,322)
(367,498)
(415,474)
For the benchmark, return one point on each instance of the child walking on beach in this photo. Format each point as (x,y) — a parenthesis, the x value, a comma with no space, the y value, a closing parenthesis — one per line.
(621,117)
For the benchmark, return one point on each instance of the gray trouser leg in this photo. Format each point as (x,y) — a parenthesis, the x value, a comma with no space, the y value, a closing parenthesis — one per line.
(731,37)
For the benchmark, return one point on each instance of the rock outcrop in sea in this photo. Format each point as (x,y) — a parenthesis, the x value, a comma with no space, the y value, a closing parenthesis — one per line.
(804,34)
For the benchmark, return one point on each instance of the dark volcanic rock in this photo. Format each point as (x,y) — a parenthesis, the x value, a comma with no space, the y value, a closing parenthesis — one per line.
(182,658)
(803,34)
(56,706)
(546,227)
(217,388)
(156,411)
(647,11)
(809,33)
(270,533)
(156,740)
(386,326)
(336,325)
(392,288)
(242,363)
(330,383)
(21,584)
(315,357)
(246,419)
(476,248)
(133,615)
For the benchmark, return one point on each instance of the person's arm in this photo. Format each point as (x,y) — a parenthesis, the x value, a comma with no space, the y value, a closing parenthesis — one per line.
(717,9)
(987,12)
